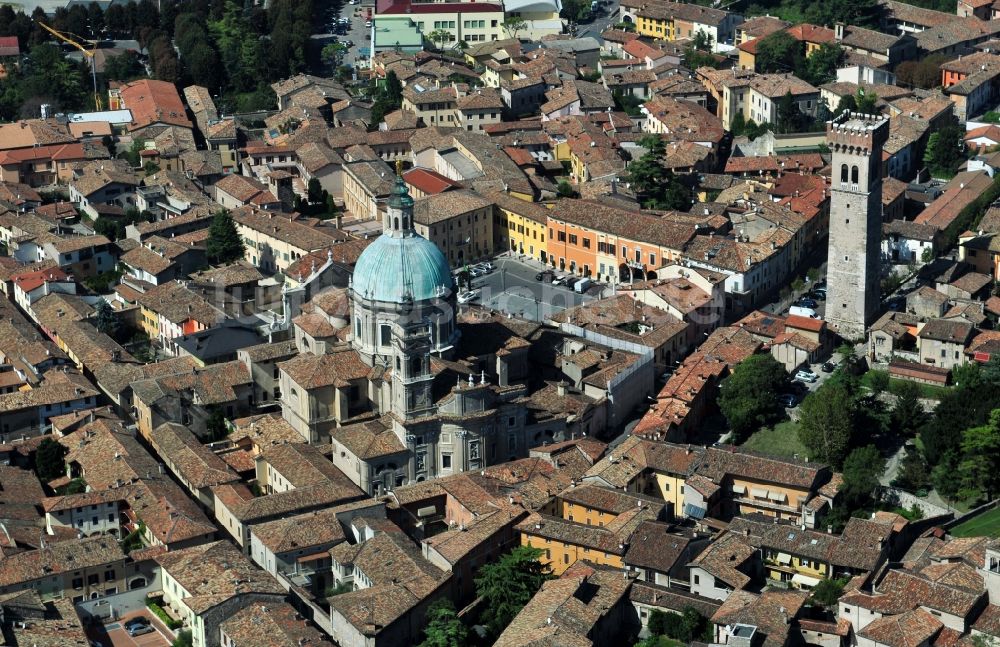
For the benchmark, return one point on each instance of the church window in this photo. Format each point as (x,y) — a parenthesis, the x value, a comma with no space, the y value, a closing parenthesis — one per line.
(854,175)
(843,173)
(385,334)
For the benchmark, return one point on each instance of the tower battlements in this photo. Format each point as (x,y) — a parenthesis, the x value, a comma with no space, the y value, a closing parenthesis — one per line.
(856,132)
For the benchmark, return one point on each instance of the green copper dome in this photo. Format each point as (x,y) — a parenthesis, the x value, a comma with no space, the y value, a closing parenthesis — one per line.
(398,269)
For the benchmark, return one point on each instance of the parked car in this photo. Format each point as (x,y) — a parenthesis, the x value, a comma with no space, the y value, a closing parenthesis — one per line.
(572,281)
(817,293)
(583,285)
(802,312)
(829,367)
(138,627)
(544,276)
(468,297)
(488,266)
(805,375)
(559,280)
(788,400)
(806,302)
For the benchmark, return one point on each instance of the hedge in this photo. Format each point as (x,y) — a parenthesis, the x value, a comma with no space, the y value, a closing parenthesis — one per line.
(162,615)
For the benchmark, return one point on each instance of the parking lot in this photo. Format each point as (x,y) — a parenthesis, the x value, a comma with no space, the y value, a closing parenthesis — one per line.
(113,634)
(512,288)
(353,31)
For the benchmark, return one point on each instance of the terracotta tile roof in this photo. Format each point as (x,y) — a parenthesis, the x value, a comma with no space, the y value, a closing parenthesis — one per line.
(214,573)
(401,578)
(723,559)
(625,223)
(369,440)
(168,512)
(440,207)
(303,465)
(947,330)
(770,612)
(176,303)
(336,369)
(271,625)
(59,558)
(195,464)
(910,629)
(760,26)
(657,546)
(153,102)
(213,384)
(684,120)
(569,610)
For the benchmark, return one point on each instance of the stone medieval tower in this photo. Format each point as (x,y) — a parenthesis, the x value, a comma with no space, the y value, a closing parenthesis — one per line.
(856,141)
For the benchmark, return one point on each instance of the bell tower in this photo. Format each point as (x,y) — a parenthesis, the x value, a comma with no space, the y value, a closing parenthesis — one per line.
(853,260)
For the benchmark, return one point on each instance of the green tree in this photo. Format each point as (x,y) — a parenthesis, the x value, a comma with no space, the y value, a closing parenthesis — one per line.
(657,187)
(748,398)
(826,424)
(513,24)
(105,320)
(821,65)
(224,243)
(439,36)
(738,124)
(565,190)
(215,427)
(123,67)
(778,52)
(828,591)
(702,41)
(443,626)
(315,191)
(980,467)
(790,119)
(862,469)
(183,639)
(908,415)
(913,474)
(945,150)
(49,462)
(507,584)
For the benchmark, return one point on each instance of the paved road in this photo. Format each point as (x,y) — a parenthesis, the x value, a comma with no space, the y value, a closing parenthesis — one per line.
(512,288)
(607,15)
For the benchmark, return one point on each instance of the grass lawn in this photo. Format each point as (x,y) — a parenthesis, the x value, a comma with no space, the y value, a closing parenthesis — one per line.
(780,440)
(985,525)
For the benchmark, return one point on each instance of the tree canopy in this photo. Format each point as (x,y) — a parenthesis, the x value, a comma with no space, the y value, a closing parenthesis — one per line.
(443,626)
(748,398)
(49,457)
(945,150)
(657,187)
(507,584)
(224,242)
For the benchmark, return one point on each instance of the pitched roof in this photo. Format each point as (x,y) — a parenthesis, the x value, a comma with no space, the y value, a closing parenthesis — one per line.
(214,573)
(153,102)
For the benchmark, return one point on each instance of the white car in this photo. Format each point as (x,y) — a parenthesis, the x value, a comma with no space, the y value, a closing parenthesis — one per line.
(468,297)
(805,375)
(368,24)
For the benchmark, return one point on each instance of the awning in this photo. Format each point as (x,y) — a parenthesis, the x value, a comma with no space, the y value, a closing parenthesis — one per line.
(777,496)
(784,559)
(805,580)
(739,489)
(757,493)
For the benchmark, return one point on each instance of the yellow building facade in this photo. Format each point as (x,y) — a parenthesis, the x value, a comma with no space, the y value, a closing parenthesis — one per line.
(559,555)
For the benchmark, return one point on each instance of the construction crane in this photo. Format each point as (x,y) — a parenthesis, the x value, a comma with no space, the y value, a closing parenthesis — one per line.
(89,53)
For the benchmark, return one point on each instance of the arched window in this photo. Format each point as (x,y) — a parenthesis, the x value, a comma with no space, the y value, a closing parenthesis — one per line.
(395,223)
(854,175)
(843,173)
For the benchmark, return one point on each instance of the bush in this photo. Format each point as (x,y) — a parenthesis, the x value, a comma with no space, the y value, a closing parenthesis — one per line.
(158,611)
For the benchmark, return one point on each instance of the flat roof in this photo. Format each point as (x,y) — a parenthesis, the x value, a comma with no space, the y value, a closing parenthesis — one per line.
(109,116)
